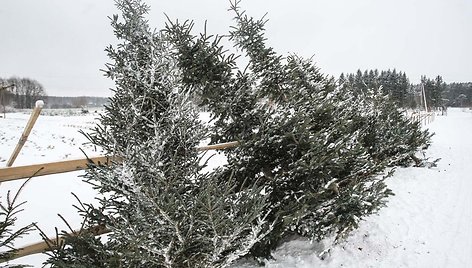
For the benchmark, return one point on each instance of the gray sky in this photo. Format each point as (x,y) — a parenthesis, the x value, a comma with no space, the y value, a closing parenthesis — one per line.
(61,43)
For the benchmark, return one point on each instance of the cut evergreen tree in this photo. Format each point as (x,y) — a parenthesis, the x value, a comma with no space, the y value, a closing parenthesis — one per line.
(311,160)
(161,208)
(388,134)
(301,137)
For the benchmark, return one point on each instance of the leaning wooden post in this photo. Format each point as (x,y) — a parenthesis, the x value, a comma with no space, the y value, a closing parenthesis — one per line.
(36,170)
(34,115)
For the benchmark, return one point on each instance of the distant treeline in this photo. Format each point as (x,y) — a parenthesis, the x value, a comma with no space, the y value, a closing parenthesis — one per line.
(458,94)
(55,102)
(20,92)
(396,84)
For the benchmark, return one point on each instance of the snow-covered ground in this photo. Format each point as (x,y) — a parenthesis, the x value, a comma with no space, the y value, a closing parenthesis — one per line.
(428,223)
(53,138)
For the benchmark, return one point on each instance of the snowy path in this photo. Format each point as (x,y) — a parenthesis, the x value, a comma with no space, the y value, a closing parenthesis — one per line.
(428,223)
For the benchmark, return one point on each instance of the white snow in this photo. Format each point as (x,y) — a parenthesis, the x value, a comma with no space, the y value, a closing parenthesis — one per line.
(428,223)
(39,104)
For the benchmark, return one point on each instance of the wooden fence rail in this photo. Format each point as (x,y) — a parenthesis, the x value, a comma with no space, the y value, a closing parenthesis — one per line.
(423,118)
(52,243)
(24,172)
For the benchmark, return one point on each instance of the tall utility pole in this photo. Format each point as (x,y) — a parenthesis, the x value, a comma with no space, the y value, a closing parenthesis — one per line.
(423,92)
(2,96)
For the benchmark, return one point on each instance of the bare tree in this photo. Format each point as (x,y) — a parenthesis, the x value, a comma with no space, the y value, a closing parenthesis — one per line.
(26,92)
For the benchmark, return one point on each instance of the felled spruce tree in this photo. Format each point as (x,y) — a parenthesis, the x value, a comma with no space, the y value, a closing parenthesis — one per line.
(304,165)
(160,208)
(391,136)
(297,132)
(388,134)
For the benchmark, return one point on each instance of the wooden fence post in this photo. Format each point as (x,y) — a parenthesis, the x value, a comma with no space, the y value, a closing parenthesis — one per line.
(34,115)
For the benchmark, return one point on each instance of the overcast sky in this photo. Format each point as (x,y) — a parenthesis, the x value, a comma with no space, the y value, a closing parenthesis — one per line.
(61,43)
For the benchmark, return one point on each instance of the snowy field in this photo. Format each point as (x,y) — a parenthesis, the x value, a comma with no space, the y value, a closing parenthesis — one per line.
(428,223)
